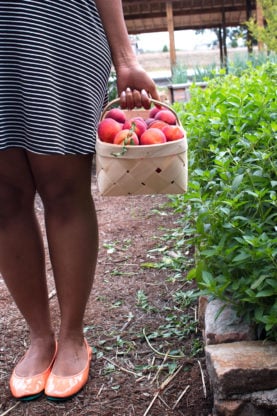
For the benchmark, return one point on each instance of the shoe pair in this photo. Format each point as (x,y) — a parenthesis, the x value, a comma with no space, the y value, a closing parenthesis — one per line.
(55,387)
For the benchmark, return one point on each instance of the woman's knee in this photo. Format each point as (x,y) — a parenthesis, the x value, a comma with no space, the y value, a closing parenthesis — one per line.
(64,199)
(63,183)
(14,201)
(17,188)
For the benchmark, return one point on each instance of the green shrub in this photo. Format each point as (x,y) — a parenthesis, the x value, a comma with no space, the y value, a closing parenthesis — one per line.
(179,74)
(241,62)
(236,66)
(112,88)
(232,196)
(182,74)
(204,73)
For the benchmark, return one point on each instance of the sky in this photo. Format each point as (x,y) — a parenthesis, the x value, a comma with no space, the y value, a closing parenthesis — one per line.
(184,40)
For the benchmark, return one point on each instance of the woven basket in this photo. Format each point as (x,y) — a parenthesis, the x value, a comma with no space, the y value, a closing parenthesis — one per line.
(141,169)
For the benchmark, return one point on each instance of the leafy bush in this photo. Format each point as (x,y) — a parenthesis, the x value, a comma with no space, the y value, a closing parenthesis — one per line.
(179,74)
(268,33)
(232,196)
(112,88)
(204,73)
(241,62)
(182,74)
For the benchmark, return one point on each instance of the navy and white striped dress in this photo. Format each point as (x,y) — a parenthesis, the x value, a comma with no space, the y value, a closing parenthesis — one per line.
(54,67)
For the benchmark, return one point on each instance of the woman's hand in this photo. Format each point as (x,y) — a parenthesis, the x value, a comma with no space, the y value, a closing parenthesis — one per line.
(135,87)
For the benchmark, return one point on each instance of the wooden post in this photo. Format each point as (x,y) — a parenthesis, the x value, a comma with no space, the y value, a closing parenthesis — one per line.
(260,22)
(225,57)
(221,47)
(249,36)
(170,26)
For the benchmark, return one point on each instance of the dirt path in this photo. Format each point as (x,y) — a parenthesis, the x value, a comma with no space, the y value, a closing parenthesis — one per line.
(144,342)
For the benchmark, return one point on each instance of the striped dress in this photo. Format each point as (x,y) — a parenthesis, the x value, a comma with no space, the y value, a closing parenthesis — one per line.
(54,67)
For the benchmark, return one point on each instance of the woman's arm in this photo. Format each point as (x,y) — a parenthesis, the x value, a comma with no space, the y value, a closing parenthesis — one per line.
(133,83)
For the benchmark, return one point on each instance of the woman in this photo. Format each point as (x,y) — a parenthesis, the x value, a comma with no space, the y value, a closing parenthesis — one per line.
(55,60)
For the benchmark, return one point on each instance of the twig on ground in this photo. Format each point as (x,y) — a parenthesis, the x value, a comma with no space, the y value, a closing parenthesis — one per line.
(100,390)
(151,404)
(118,366)
(160,367)
(158,352)
(203,379)
(164,384)
(180,397)
(163,402)
(151,365)
(179,289)
(10,409)
(130,318)
(104,341)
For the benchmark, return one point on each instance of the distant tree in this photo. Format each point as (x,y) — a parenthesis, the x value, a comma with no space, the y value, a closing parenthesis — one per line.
(232,33)
(234,43)
(266,34)
(236,33)
(165,48)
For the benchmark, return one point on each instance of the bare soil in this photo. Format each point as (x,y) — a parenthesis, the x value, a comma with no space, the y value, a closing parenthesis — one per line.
(132,372)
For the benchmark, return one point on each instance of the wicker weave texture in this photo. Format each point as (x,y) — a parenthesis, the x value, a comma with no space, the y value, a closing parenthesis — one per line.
(162,169)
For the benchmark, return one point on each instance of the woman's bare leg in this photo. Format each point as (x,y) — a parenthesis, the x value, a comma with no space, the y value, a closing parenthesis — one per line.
(22,257)
(64,184)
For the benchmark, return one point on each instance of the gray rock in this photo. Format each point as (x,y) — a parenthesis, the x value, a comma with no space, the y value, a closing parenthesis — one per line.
(241,367)
(222,324)
(266,399)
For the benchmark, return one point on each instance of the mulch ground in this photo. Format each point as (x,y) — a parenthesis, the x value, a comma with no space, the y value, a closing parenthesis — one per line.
(148,359)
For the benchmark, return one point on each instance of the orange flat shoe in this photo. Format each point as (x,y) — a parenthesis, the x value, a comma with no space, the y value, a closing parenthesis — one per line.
(31,387)
(62,388)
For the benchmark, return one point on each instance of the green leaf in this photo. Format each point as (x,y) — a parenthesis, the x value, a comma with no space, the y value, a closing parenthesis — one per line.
(237,181)
(258,282)
(149,265)
(242,256)
(266,293)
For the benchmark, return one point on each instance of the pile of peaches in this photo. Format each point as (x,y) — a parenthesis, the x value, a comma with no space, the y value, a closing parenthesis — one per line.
(160,127)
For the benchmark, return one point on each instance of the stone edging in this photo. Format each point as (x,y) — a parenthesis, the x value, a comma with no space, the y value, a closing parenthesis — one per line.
(242,370)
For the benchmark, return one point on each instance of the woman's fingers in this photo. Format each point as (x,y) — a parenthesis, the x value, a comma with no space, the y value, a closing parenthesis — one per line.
(134,98)
(145,100)
(129,98)
(137,98)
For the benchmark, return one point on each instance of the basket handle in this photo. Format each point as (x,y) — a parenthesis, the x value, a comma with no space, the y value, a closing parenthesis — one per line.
(160,103)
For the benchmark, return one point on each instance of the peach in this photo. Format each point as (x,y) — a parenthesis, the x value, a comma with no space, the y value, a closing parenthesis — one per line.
(149,120)
(158,124)
(117,114)
(107,129)
(154,110)
(138,118)
(136,124)
(152,136)
(167,116)
(126,136)
(173,132)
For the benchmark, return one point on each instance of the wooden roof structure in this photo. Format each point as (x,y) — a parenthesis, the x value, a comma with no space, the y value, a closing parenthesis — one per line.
(145,16)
